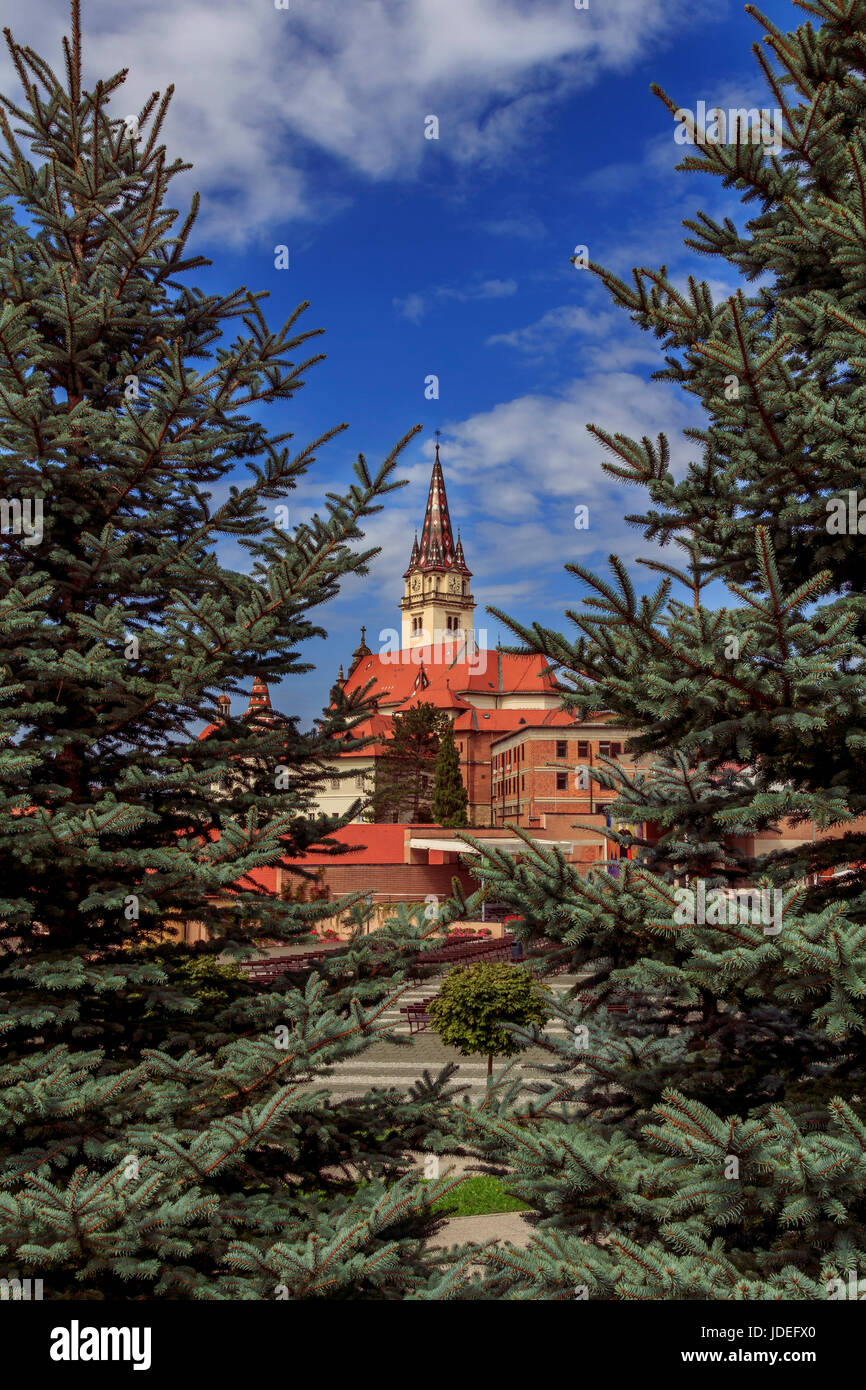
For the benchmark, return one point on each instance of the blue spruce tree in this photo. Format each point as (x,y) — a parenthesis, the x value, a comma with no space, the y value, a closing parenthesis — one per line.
(165,1131)
(700,1132)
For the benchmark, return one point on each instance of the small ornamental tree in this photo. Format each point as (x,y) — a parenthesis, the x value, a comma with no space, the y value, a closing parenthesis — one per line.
(475,1003)
(450,799)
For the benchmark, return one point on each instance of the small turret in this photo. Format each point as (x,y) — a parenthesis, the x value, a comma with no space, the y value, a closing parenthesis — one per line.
(260,699)
(360,651)
(413,558)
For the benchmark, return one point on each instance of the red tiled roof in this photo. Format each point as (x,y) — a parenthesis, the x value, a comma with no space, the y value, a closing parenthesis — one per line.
(377,725)
(395,680)
(532,719)
(370,844)
(510,721)
(264,878)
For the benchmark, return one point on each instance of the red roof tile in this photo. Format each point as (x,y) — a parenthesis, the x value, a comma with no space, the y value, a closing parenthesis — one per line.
(395,677)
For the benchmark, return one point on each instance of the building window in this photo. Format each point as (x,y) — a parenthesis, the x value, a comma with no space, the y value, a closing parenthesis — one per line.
(335,784)
(561,748)
(562,781)
(452,622)
(522,782)
(610,750)
(583,749)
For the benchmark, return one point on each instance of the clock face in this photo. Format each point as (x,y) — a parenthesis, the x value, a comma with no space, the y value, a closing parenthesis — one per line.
(453,584)
(416,583)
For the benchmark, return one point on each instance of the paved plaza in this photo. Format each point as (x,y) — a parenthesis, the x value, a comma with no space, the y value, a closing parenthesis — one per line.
(390,1064)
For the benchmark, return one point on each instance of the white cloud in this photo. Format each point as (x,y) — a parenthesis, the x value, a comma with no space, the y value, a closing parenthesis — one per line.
(526,452)
(497,289)
(262,94)
(549,332)
(525,226)
(414,306)
(595,339)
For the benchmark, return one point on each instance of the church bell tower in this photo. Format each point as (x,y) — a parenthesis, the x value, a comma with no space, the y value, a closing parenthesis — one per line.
(437,607)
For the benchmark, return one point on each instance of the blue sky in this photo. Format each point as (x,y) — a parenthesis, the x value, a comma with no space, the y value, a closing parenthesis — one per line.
(306,127)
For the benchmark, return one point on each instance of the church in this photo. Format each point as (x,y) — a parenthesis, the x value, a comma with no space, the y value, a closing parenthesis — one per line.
(523,759)
(519,750)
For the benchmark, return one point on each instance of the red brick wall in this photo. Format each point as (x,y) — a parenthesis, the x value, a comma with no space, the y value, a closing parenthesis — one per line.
(534,764)
(475,771)
(398,880)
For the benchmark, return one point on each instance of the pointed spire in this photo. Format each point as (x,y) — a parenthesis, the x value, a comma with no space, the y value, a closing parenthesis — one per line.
(413,558)
(437,540)
(260,699)
(338,686)
(460,558)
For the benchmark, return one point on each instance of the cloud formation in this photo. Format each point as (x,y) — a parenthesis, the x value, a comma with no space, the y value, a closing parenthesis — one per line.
(414,306)
(262,94)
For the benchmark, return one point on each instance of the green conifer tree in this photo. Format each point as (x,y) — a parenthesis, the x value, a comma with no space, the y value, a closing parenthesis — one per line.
(702,1130)
(450,799)
(405,771)
(136,1160)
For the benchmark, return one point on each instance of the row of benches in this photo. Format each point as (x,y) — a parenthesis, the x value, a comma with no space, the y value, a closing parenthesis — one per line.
(476,948)
(469,948)
(273,966)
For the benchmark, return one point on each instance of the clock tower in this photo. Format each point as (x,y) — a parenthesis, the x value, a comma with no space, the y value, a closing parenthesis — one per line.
(437,606)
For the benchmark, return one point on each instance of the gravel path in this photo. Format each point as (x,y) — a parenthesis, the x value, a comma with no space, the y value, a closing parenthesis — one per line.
(504,1226)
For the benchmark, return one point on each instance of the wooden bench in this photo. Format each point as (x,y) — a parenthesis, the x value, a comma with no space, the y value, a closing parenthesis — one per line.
(623,1006)
(417,1016)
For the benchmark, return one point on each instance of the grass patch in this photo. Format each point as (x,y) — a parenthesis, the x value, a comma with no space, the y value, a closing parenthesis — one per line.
(479,1196)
